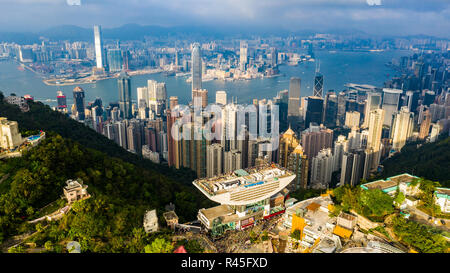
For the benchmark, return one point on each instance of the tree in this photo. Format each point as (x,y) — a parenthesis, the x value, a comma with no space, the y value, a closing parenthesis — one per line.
(159,245)
(428,188)
(17,249)
(399,199)
(375,202)
(296,234)
(48,245)
(419,236)
(193,246)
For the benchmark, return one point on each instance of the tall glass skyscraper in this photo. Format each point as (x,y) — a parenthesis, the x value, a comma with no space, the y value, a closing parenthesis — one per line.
(391,99)
(99,58)
(196,67)
(124,84)
(78,98)
(115,61)
(318,85)
(373,102)
(314,110)
(294,97)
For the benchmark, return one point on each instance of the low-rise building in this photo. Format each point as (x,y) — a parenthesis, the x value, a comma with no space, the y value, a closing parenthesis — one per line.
(75,190)
(19,101)
(391,184)
(151,221)
(442,198)
(346,220)
(171,218)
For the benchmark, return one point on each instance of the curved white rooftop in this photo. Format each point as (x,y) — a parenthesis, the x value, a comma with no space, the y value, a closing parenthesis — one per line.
(245,187)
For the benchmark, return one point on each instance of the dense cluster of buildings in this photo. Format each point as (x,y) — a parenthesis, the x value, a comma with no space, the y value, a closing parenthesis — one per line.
(324,139)
(232,136)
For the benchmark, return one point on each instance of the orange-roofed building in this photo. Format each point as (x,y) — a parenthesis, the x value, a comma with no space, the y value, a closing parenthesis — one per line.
(313,206)
(298,223)
(342,232)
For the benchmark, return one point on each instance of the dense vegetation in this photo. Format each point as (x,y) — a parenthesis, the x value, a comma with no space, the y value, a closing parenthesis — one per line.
(123,186)
(431,160)
(420,237)
(121,193)
(373,204)
(377,205)
(303,194)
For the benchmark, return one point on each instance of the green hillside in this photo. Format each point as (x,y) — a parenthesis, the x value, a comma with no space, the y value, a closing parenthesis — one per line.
(430,160)
(123,186)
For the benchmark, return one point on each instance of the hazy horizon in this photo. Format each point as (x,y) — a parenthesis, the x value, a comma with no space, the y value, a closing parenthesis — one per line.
(374,17)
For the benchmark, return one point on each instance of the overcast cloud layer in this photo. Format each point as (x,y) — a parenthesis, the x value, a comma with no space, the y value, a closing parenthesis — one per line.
(396,17)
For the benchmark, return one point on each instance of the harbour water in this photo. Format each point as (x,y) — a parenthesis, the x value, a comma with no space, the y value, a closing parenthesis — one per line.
(338,69)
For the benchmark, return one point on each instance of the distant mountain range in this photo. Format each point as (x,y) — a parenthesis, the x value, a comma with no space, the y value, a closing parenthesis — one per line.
(139,32)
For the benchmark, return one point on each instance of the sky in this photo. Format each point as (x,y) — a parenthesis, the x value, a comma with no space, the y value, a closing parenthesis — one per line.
(381,17)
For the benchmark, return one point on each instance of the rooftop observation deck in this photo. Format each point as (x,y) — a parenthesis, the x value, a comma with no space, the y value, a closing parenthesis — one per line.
(242,186)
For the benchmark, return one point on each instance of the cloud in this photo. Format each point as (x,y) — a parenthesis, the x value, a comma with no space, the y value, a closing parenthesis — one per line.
(391,17)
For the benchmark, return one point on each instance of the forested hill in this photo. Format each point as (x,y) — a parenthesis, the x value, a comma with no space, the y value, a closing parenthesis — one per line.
(430,160)
(123,186)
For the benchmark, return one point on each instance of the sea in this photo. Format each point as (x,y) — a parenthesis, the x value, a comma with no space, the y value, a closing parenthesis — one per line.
(337,67)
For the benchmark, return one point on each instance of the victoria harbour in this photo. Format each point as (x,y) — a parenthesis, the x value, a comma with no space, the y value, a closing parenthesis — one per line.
(339,68)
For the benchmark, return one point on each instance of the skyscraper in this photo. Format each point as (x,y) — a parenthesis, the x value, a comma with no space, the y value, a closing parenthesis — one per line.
(352,167)
(425,125)
(294,97)
(318,85)
(196,67)
(391,99)
(373,102)
(321,169)
(315,139)
(78,98)
(331,108)
(232,161)
(243,56)
(201,95)
(341,109)
(123,82)
(115,60)
(62,102)
(273,56)
(402,128)
(142,97)
(288,143)
(99,54)
(214,155)
(298,163)
(314,110)
(376,118)
(173,101)
(221,97)
(352,119)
